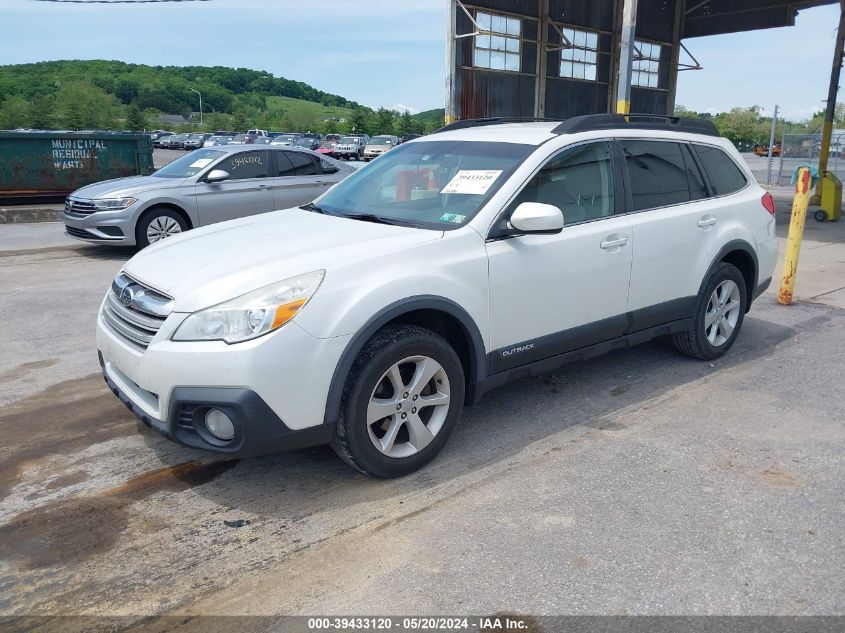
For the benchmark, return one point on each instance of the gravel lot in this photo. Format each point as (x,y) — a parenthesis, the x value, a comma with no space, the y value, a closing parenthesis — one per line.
(640,483)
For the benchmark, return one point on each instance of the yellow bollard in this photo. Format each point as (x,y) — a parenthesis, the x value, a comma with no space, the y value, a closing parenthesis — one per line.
(793,238)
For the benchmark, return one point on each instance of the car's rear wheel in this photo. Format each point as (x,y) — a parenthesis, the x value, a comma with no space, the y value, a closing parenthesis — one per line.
(719,313)
(157,224)
(401,402)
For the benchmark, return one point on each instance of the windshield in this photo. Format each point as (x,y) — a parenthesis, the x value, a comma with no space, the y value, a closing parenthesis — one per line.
(433,184)
(286,138)
(349,140)
(380,140)
(189,165)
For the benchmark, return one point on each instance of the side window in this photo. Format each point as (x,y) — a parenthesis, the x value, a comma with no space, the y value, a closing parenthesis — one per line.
(657,172)
(245,165)
(725,177)
(303,164)
(578,181)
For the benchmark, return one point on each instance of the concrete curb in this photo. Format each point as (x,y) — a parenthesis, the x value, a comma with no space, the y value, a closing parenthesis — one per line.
(27,214)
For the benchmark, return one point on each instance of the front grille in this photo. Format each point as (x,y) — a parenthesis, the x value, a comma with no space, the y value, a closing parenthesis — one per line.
(135,312)
(79,208)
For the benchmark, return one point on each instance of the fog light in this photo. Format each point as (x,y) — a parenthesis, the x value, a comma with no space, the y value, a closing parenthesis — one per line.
(219,425)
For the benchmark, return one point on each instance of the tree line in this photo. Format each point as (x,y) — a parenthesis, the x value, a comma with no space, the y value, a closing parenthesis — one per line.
(746,126)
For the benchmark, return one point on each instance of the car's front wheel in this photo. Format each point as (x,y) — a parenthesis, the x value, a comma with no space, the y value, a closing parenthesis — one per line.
(402,400)
(719,313)
(157,224)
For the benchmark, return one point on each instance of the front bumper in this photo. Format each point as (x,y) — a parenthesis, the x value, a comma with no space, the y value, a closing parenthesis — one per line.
(113,227)
(258,430)
(274,388)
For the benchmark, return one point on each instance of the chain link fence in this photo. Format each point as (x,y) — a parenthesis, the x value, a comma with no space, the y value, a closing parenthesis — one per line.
(795,150)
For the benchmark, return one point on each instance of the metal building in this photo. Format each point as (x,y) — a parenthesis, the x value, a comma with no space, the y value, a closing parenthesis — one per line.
(561,58)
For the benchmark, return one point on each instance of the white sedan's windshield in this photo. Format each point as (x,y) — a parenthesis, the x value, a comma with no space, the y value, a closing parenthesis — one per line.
(433,184)
(189,165)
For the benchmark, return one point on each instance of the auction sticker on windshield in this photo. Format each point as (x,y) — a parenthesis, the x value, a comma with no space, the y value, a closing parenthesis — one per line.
(472,181)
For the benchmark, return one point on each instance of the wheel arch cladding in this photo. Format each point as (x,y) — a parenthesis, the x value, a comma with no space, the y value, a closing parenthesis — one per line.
(170,207)
(442,316)
(742,255)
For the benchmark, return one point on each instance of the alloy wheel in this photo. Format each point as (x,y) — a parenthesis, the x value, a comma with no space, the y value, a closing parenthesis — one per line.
(722,313)
(408,406)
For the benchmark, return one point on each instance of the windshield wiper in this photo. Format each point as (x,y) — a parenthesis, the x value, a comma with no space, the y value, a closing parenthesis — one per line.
(313,207)
(371,217)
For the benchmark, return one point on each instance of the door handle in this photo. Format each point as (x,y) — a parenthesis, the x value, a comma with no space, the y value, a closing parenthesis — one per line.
(321,183)
(265,187)
(707,221)
(615,242)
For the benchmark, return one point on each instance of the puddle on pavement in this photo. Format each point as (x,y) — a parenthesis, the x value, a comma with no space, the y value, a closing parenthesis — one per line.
(75,529)
(66,417)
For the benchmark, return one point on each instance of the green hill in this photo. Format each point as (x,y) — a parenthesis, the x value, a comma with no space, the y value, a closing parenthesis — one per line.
(105,94)
(432,119)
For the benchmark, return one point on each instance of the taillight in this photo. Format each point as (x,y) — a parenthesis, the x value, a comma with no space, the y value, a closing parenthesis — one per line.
(768,202)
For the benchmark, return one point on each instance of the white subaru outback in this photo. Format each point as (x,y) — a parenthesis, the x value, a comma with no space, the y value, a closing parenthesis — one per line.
(486,252)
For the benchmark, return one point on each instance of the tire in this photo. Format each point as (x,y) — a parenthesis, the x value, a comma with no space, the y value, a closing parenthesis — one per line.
(706,341)
(820,215)
(162,218)
(408,442)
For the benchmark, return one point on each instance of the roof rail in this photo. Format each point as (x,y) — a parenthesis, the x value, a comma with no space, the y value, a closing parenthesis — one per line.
(493,120)
(636,122)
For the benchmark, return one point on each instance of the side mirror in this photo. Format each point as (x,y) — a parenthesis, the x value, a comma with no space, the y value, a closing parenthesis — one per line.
(217,175)
(536,217)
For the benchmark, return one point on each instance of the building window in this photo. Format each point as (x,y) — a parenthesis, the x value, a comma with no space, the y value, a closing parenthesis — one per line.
(499,50)
(646,64)
(579,59)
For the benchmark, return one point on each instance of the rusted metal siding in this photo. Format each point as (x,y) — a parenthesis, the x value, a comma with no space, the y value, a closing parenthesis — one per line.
(493,93)
(596,14)
(34,164)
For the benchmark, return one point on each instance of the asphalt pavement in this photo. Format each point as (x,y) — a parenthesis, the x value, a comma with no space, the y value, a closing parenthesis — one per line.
(641,482)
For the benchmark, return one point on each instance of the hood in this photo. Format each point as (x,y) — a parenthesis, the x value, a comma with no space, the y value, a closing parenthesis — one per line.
(124,187)
(377,148)
(207,266)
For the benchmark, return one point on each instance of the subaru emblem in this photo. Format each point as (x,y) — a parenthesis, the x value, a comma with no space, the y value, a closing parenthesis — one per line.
(126,296)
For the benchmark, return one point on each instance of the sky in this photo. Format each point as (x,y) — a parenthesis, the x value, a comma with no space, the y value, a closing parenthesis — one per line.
(388,52)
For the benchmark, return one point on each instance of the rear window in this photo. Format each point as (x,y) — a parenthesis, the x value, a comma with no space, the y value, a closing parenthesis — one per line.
(725,177)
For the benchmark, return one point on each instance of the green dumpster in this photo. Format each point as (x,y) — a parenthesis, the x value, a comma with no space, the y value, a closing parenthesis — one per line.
(52,164)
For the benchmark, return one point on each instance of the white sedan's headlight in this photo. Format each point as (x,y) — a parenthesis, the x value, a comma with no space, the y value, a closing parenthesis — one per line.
(113,204)
(253,314)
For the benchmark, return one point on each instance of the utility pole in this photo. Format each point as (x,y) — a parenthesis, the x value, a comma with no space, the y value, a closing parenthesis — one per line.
(830,111)
(451,20)
(771,146)
(626,56)
(200,94)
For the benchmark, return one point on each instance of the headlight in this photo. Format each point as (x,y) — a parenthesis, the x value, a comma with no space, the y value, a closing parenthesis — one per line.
(113,204)
(253,314)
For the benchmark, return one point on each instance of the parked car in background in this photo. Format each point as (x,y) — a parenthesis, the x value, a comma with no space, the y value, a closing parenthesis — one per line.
(309,142)
(350,147)
(410,137)
(157,134)
(286,139)
(214,140)
(195,141)
(332,138)
(174,141)
(207,186)
(258,132)
(763,150)
(378,145)
(326,147)
(243,139)
(228,133)
(261,140)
